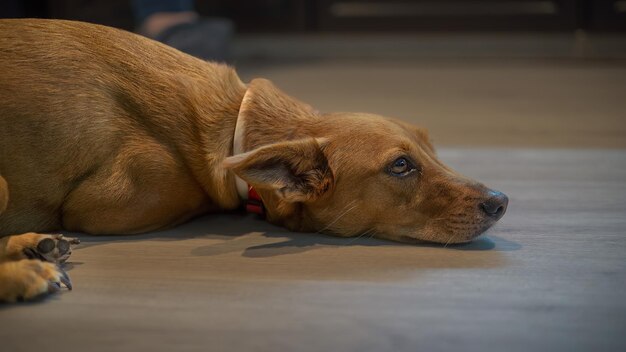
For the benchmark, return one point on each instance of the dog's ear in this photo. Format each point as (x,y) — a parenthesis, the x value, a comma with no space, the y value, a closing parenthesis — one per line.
(266,109)
(297,170)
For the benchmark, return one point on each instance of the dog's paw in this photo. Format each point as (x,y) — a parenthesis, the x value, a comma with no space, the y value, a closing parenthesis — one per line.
(49,248)
(27,279)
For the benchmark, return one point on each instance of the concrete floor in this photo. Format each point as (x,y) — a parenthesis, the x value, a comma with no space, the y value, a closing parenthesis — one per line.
(551,276)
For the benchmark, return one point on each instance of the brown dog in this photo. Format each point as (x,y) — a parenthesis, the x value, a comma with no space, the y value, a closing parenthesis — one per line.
(106,132)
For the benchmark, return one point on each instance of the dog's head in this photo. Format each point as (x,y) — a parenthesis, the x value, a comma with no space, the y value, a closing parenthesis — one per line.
(352,174)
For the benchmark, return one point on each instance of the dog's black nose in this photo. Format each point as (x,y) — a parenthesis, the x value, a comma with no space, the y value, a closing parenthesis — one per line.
(495,205)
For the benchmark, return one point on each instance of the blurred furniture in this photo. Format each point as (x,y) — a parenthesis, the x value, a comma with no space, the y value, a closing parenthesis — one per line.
(403,15)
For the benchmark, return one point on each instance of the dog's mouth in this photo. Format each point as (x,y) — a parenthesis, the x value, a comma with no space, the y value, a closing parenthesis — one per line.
(445,235)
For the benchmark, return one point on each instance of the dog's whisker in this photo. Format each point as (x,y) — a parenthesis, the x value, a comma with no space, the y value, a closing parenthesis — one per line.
(450,239)
(361,235)
(340,215)
(337,219)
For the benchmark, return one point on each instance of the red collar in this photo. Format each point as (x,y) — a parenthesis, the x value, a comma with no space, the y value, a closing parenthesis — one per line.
(254,203)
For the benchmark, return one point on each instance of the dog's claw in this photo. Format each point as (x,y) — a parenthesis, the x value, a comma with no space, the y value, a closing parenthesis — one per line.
(65,279)
(54,287)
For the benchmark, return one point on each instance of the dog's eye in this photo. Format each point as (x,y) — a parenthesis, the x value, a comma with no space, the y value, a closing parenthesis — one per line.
(401,167)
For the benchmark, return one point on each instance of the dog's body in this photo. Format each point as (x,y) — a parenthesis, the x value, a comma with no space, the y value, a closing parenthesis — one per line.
(97,138)
(106,132)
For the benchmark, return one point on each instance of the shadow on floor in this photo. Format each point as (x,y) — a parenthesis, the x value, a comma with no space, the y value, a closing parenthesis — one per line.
(244,247)
(257,238)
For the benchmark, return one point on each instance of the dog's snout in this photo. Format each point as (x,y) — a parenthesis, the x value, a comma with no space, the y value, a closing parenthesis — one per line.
(495,205)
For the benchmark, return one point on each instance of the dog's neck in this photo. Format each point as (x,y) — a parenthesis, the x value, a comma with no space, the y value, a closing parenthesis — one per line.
(267,116)
(242,186)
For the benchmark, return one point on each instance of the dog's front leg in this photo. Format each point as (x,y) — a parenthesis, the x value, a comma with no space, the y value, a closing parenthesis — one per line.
(29,265)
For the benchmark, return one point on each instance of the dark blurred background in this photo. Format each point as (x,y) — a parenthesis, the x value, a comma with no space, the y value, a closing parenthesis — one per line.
(360,15)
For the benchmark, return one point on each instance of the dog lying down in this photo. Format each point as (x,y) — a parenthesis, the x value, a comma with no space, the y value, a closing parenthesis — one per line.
(106,132)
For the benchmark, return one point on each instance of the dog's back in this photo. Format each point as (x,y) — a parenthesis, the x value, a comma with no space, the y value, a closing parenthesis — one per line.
(74,95)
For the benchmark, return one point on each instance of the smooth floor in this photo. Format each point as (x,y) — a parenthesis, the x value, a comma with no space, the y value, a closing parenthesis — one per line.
(551,276)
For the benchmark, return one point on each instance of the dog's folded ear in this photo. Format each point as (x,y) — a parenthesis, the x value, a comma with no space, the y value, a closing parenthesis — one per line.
(297,170)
